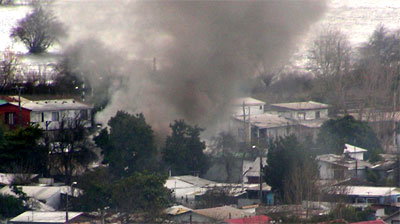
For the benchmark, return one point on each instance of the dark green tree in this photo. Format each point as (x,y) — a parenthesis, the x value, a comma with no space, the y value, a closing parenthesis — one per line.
(97,189)
(183,152)
(335,133)
(38,30)
(21,148)
(128,146)
(141,192)
(291,170)
(10,206)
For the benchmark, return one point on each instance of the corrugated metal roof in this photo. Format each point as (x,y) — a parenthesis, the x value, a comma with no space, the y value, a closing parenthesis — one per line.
(53,105)
(369,191)
(310,105)
(44,217)
(177,210)
(249,101)
(267,120)
(222,213)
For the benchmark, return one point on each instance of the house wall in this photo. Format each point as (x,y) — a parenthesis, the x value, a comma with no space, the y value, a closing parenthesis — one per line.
(9,108)
(50,120)
(305,114)
(325,171)
(186,217)
(252,109)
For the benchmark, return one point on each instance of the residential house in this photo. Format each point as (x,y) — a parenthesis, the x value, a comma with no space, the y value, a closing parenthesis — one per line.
(185,188)
(56,217)
(222,213)
(340,167)
(262,127)
(10,115)
(261,219)
(251,170)
(247,106)
(49,114)
(182,214)
(308,116)
(51,196)
(354,152)
(363,195)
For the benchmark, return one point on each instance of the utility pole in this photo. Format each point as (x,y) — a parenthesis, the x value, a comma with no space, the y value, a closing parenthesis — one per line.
(19,88)
(260,177)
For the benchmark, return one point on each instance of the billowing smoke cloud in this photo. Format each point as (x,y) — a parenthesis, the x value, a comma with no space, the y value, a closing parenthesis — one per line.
(205,51)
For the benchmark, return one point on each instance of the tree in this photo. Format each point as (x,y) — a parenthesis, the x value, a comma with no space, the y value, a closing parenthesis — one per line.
(70,146)
(128,146)
(97,188)
(8,70)
(38,30)
(330,61)
(21,148)
(10,206)
(141,192)
(291,170)
(335,133)
(183,151)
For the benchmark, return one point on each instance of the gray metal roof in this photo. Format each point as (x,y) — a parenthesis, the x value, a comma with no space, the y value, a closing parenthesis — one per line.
(310,105)
(53,105)
(44,217)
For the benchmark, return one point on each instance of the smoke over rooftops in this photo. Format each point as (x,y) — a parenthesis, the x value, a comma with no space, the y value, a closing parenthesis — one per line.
(205,50)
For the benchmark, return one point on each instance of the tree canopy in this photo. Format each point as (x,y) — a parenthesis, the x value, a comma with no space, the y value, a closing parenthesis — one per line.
(38,30)
(183,151)
(335,133)
(128,145)
(291,170)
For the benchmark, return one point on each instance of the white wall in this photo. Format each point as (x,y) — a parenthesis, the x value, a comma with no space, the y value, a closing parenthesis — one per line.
(252,109)
(306,114)
(36,118)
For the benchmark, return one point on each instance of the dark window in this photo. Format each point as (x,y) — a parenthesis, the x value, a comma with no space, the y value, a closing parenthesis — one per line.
(317,115)
(84,114)
(42,117)
(9,118)
(54,116)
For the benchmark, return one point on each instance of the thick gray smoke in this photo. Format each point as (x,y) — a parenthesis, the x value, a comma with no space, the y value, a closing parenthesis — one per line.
(205,51)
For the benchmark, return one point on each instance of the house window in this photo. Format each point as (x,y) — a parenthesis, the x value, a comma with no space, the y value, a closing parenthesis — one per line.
(398,199)
(42,117)
(372,200)
(317,114)
(301,115)
(84,114)
(54,116)
(9,118)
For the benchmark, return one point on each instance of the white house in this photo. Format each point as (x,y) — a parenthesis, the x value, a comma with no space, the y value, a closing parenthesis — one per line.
(302,111)
(49,195)
(49,114)
(339,167)
(354,151)
(247,104)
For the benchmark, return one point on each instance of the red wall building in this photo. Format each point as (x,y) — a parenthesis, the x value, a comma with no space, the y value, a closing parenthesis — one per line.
(9,115)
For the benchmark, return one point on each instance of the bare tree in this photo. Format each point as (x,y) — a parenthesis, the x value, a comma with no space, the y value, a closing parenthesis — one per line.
(38,30)
(329,60)
(8,69)
(70,146)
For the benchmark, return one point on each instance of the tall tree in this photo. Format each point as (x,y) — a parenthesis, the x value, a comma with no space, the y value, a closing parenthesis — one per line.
(291,170)
(183,151)
(38,30)
(128,146)
(70,147)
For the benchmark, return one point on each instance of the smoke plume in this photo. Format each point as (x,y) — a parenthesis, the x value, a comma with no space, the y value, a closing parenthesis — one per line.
(183,59)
